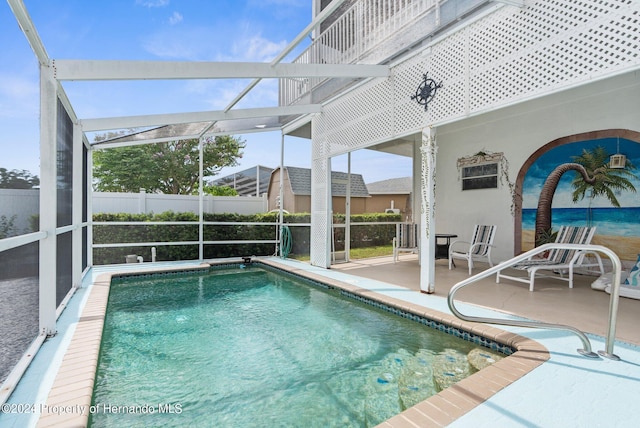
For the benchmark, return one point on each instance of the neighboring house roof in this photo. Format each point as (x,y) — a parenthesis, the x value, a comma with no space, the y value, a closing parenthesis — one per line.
(300,179)
(401,185)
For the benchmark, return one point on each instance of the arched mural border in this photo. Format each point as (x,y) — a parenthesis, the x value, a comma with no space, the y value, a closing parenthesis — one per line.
(584,136)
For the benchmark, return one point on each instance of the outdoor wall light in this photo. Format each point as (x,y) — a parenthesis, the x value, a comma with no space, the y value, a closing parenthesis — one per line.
(617,161)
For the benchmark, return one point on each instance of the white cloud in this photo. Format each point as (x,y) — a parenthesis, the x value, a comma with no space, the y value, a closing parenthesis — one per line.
(215,94)
(19,96)
(258,48)
(153,3)
(175,18)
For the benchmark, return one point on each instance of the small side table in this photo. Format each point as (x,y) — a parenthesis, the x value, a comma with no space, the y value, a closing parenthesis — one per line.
(442,249)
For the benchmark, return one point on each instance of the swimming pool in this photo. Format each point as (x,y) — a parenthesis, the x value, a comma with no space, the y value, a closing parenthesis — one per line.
(332,360)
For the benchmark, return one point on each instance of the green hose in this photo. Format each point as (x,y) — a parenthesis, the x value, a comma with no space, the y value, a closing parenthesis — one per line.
(285,241)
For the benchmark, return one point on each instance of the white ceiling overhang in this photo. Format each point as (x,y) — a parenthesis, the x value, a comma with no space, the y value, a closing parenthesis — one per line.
(103,124)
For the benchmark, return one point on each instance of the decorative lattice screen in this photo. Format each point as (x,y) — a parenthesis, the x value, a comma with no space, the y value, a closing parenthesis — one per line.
(511,55)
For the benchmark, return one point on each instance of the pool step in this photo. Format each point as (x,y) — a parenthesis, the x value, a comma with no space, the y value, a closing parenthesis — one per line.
(449,367)
(413,378)
(415,383)
(384,381)
(480,358)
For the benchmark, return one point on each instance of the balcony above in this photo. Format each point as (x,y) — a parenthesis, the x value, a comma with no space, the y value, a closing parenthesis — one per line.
(374,32)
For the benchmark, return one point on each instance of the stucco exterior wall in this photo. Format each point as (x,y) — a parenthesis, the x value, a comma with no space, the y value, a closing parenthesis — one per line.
(379,203)
(519,131)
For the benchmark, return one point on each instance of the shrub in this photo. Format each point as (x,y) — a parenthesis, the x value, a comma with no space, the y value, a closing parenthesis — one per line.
(361,236)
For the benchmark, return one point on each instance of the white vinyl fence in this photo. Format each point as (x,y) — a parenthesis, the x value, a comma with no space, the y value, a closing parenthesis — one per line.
(147,203)
(18,206)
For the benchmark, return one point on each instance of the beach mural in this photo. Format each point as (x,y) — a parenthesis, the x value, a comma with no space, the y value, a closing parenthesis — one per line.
(576,203)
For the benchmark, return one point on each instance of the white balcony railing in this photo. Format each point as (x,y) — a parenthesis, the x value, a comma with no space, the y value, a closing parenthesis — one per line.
(357,31)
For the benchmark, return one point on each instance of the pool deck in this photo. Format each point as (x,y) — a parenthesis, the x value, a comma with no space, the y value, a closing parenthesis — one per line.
(558,388)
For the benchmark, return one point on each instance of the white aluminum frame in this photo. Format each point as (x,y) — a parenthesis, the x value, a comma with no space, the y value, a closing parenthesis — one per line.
(481,67)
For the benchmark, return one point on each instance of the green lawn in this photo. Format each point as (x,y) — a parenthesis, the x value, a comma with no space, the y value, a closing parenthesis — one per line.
(365,253)
(359,253)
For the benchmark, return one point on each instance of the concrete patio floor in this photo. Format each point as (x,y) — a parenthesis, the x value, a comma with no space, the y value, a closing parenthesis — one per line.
(552,301)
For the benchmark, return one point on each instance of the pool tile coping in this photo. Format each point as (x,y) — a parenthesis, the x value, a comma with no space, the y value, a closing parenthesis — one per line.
(73,385)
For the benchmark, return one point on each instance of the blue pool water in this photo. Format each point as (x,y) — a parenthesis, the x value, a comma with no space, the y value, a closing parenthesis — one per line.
(255,348)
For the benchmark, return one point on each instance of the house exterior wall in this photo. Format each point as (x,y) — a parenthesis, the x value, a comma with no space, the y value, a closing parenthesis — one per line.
(518,132)
(302,203)
(291,202)
(511,81)
(379,203)
(358,205)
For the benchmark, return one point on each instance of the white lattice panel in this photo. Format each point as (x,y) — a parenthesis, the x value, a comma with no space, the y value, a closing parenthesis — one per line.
(406,78)
(549,46)
(511,55)
(319,207)
(364,115)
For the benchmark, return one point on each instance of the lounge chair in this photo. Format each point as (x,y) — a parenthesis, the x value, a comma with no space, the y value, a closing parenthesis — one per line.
(406,239)
(478,249)
(559,260)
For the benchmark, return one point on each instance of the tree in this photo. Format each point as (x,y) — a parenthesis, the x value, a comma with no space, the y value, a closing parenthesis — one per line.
(608,180)
(7,227)
(219,191)
(543,213)
(171,168)
(595,175)
(17,179)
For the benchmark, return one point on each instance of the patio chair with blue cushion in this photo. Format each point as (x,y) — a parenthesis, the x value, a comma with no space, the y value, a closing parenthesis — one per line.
(406,239)
(558,260)
(479,249)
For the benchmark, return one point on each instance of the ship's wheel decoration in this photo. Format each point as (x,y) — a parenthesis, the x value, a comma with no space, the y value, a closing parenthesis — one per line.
(426,91)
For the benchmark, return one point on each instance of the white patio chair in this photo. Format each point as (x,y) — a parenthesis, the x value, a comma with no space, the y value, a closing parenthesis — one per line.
(479,249)
(406,239)
(559,261)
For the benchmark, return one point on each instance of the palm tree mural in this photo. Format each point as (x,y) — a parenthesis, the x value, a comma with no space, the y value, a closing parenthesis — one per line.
(595,175)
(608,181)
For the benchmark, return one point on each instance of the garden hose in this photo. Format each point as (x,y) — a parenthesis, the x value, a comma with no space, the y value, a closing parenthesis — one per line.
(285,241)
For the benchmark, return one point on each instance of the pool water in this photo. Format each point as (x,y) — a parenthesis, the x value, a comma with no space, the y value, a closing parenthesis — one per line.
(255,348)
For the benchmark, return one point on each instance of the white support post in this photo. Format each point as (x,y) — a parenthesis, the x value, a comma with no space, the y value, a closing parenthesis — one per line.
(321,216)
(428,150)
(321,211)
(347,212)
(328,203)
(48,200)
(280,198)
(90,207)
(201,198)
(76,207)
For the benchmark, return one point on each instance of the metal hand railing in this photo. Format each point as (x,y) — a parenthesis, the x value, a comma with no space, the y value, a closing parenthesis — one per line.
(613,303)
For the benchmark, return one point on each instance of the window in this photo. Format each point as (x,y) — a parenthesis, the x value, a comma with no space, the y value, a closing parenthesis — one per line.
(483,176)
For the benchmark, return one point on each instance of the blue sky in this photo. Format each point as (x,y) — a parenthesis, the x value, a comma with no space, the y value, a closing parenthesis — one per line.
(173,30)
